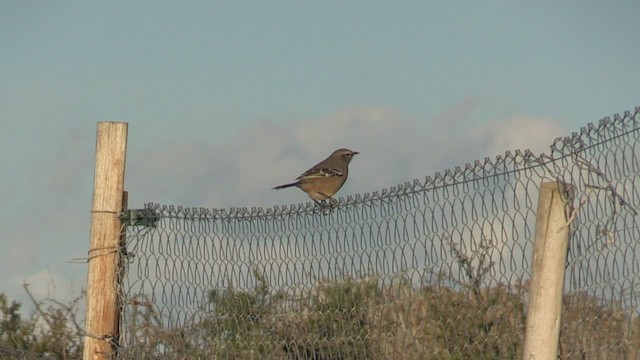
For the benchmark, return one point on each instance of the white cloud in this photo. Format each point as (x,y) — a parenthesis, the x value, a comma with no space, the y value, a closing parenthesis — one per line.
(394,148)
(42,284)
(518,131)
(49,225)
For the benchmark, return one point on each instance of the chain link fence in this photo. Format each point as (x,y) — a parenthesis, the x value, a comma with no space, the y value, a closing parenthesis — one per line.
(430,269)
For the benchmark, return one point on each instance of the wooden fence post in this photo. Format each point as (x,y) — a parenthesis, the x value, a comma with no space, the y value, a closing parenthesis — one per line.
(547,274)
(102,315)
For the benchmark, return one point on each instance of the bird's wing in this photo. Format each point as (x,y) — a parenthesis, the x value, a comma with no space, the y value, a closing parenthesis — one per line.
(321,172)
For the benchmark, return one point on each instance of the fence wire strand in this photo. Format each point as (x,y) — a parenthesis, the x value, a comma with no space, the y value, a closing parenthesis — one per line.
(429,269)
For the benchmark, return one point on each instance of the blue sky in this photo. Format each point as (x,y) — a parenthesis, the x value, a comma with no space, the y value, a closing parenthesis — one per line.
(227,99)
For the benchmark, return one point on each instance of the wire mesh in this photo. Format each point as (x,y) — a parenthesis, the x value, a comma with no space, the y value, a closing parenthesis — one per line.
(430,269)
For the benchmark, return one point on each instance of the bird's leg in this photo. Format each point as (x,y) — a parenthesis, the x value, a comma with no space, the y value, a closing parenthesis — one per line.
(332,202)
(320,205)
(323,206)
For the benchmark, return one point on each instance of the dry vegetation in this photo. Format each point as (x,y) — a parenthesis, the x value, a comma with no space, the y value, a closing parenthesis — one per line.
(359,319)
(52,331)
(352,319)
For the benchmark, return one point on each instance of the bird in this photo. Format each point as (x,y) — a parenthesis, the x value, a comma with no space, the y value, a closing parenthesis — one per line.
(324,179)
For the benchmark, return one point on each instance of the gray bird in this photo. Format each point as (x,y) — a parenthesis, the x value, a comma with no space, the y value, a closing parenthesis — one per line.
(323,180)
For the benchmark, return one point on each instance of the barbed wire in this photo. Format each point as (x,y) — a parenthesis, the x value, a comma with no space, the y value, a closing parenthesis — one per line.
(429,268)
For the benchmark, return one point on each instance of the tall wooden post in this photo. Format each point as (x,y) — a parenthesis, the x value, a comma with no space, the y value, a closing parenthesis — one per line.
(102,315)
(547,276)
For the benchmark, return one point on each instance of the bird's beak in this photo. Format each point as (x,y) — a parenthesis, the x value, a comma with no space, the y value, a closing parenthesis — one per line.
(355,153)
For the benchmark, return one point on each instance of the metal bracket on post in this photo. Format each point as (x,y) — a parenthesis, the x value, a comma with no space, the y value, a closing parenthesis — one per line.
(140,217)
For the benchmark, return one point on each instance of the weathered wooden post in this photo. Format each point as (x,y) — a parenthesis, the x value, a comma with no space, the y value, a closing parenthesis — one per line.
(102,314)
(547,275)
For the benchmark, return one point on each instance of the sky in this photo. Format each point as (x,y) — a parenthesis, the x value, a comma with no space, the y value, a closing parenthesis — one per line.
(227,99)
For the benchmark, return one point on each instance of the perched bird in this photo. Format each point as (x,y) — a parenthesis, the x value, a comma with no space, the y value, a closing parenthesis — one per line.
(323,180)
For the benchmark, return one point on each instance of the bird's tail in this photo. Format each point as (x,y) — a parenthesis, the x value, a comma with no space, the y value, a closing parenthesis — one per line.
(285,186)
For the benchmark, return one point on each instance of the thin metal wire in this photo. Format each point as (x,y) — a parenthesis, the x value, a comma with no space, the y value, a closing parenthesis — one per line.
(431,268)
